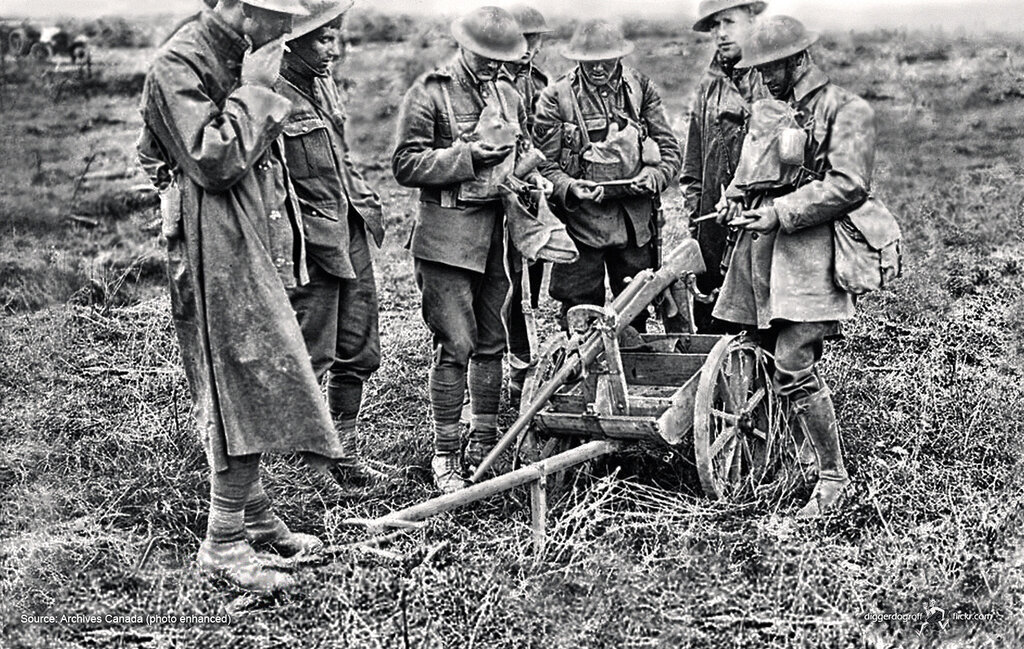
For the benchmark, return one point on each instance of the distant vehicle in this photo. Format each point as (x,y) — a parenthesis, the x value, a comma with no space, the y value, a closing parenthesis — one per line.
(24,39)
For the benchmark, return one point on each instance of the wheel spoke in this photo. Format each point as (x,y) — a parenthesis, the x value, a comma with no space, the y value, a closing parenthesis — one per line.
(755,399)
(726,466)
(727,416)
(723,438)
(724,384)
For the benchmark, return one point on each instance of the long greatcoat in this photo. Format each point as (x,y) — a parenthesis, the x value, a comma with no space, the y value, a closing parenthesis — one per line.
(788,274)
(232,248)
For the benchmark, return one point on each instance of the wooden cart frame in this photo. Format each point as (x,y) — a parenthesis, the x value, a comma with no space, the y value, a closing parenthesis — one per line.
(593,392)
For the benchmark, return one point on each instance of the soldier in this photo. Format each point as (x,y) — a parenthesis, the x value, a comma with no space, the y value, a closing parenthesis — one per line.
(457,240)
(780,279)
(211,141)
(718,124)
(529,80)
(604,121)
(337,309)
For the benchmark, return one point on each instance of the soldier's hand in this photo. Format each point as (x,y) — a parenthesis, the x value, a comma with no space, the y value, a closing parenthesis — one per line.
(645,183)
(487,155)
(542,183)
(763,219)
(261,67)
(730,212)
(586,190)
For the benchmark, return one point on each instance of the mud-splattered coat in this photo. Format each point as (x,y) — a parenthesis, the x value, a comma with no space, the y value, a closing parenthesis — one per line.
(788,274)
(231,224)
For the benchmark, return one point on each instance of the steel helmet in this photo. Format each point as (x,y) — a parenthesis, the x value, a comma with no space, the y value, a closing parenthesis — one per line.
(708,8)
(597,40)
(491,32)
(530,20)
(293,7)
(775,38)
(321,12)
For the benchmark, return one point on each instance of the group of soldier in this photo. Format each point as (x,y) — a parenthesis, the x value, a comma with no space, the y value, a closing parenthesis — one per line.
(268,224)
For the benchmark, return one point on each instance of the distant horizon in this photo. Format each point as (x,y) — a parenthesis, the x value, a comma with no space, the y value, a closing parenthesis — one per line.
(968,15)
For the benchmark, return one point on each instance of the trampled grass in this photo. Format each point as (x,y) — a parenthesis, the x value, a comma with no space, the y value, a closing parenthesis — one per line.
(104,485)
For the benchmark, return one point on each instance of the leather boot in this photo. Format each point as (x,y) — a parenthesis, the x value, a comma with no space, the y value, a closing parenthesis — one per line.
(350,470)
(447,468)
(236,563)
(816,416)
(804,456)
(479,447)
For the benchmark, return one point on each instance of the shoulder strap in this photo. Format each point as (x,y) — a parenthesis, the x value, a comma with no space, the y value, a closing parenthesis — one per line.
(446,93)
(634,92)
(577,112)
(501,102)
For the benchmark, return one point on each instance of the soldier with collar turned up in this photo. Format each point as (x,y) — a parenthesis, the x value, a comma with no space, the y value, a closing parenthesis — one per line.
(717,128)
(337,309)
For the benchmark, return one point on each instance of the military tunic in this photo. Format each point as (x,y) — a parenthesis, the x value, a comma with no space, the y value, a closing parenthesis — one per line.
(616,236)
(338,309)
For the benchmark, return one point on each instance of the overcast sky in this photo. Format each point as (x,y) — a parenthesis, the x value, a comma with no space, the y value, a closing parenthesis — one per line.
(828,14)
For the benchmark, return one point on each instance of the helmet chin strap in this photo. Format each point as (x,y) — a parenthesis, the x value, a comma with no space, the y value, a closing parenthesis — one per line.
(309,68)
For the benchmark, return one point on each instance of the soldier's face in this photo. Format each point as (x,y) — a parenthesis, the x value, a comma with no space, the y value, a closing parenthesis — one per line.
(263,26)
(533,44)
(599,72)
(729,28)
(319,49)
(483,68)
(778,77)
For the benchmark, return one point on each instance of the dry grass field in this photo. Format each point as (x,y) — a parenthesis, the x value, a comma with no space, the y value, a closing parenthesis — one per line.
(103,485)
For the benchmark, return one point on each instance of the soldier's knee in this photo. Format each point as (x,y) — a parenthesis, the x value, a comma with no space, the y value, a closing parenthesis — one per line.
(455,351)
(797,383)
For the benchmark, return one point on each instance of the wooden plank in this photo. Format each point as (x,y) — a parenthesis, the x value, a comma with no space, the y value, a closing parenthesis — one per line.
(504,482)
(539,513)
(688,343)
(638,406)
(598,426)
(644,368)
(676,423)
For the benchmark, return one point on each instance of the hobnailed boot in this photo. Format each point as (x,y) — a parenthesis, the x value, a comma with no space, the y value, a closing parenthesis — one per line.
(480,445)
(447,468)
(236,563)
(265,530)
(349,470)
(816,415)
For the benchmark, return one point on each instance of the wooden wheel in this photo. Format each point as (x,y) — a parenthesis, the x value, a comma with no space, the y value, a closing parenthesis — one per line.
(737,420)
(553,354)
(551,358)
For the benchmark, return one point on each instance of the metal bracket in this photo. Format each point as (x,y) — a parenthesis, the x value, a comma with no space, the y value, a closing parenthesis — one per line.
(691,285)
